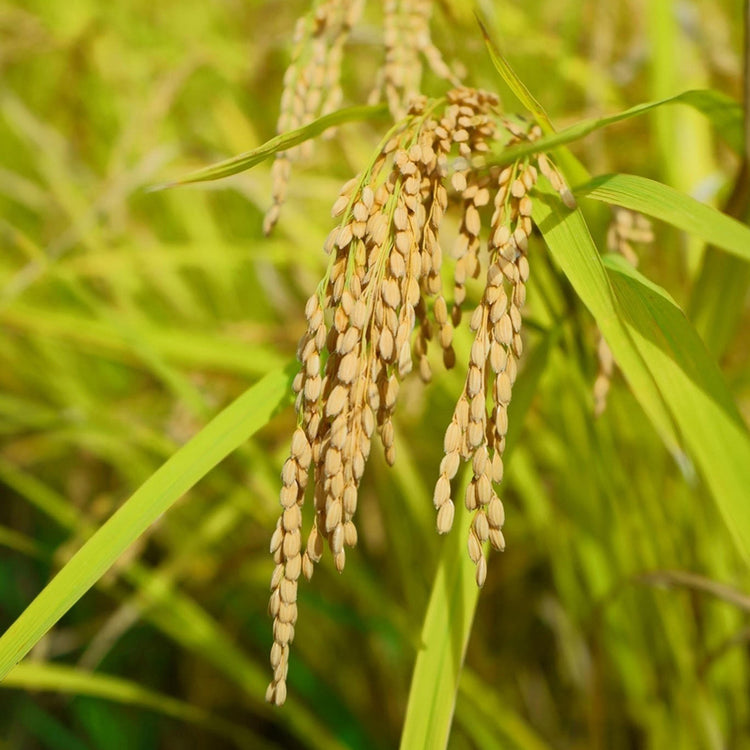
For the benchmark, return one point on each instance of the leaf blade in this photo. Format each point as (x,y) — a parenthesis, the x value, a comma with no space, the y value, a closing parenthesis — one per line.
(282,142)
(671,206)
(570,243)
(516,85)
(724,113)
(695,392)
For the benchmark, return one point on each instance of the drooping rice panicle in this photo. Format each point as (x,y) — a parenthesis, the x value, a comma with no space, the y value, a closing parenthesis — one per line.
(371,321)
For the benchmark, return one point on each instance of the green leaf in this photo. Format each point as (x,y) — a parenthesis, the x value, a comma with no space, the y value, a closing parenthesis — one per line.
(667,204)
(228,430)
(695,392)
(573,168)
(282,142)
(516,85)
(71,681)
(568,238)
(669,369)
(445,634)
(724,113)
(179,617)
(453,600)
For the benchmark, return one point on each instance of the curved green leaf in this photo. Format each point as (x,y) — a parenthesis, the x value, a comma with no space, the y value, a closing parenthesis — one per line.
(667,204)
(179,617)
(724,113)
(568,238)
(229,429)
(282,142)
(695,392)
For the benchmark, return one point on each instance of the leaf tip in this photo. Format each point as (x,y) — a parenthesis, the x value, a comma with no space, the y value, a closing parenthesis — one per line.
(159,186)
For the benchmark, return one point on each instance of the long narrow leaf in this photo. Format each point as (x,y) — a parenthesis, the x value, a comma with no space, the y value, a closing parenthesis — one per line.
(180,617)
(567,236)
(517,86)
(282,142)
(670,205)
(725,114)
(695,392)
(571,166)
(218,439)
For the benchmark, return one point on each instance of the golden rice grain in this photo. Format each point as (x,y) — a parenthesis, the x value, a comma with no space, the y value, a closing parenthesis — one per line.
(445,516)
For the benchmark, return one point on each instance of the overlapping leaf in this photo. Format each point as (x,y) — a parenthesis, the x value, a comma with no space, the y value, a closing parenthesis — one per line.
(282,142)
(667,204)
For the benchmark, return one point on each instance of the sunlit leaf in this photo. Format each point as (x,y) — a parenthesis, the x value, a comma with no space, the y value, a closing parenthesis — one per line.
(671,206)
(517,86)
(282,142)
(725,114)
(214,442)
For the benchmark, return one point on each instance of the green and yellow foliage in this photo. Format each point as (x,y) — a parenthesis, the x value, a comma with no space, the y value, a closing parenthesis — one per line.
(153,290)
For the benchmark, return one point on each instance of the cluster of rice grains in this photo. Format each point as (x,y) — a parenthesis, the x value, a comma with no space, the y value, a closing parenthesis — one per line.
(406,38)
(312,82)
(371,319)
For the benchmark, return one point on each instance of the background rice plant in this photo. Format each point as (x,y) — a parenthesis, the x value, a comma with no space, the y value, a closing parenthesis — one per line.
(617,617)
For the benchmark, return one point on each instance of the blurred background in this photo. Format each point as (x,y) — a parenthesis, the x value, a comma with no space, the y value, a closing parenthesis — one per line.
(615,619)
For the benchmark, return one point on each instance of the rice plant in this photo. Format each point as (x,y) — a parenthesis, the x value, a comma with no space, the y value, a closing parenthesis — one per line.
(542,318)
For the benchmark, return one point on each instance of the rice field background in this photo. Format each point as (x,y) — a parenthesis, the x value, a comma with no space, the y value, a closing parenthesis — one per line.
(147,354)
